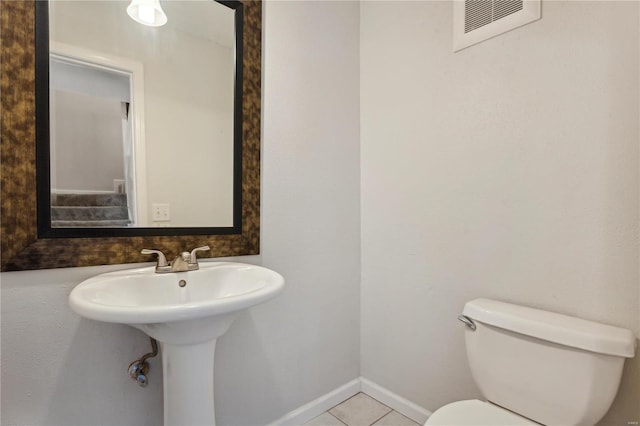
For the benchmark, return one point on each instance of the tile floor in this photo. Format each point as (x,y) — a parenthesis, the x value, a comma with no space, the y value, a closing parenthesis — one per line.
(361,410)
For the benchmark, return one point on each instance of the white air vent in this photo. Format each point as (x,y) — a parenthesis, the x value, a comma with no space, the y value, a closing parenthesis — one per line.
(477,20)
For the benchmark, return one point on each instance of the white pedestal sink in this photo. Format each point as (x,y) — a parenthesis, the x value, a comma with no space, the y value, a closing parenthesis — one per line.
(186,320)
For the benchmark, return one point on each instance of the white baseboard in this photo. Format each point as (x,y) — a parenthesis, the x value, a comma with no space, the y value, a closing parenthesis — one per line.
(403,406)
(313,409)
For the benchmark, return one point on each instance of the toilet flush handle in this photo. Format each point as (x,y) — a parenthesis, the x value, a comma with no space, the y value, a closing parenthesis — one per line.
(467,321)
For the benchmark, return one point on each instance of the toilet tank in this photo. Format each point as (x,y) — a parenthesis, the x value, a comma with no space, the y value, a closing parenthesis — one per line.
(552,368)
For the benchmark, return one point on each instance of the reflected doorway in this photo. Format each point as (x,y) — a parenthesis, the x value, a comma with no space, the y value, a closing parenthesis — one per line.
(95,152)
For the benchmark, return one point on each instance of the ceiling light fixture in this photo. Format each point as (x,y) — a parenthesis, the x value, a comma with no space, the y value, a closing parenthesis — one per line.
(147,12)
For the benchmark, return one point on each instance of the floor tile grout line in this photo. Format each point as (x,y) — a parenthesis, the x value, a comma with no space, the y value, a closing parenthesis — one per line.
(336,418)
(371,424)
(399,414)
(383,416)
(391,410)
(381,403)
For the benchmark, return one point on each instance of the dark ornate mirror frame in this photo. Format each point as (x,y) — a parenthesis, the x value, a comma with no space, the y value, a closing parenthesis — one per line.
(22,247)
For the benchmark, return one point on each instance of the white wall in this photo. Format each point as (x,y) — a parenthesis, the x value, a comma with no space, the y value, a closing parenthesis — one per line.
(306,342)
(58,369)
(508,170)
(473,184)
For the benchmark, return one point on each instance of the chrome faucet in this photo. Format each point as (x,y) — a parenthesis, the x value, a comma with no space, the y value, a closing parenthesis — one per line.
(183,263)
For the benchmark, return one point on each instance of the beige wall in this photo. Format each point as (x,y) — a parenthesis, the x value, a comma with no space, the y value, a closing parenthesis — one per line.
(507,170)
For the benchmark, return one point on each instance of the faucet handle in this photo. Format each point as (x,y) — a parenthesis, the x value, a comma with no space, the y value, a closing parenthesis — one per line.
(193,257)
(162,260)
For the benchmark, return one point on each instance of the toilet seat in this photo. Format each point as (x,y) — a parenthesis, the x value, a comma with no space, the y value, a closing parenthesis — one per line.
(476,413)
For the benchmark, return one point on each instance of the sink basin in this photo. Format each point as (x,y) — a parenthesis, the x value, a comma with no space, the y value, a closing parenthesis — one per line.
(186,312)
(139,296)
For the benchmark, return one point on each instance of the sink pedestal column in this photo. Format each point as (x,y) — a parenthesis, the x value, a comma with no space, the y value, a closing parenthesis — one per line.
(188,349)
(188,384)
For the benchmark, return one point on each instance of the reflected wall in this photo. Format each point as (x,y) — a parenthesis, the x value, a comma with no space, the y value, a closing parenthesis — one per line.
(188,103)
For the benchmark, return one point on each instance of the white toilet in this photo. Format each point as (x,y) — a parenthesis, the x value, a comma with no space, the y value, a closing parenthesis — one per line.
(537,367)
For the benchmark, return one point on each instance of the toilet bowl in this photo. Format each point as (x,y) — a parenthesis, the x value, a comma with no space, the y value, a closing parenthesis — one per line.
(537,367)
(474,412)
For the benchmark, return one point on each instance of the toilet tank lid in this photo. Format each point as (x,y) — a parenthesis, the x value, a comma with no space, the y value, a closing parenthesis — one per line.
(553,327)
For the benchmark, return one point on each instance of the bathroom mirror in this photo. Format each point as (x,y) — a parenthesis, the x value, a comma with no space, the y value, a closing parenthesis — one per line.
(138,114)
(31,239)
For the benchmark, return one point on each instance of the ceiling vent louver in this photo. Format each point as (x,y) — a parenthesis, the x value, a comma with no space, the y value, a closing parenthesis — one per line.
(478,20)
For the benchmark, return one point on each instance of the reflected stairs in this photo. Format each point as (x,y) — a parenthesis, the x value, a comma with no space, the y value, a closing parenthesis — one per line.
(89,210)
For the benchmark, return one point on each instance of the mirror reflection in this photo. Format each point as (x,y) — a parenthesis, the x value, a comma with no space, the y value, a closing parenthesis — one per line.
(141,117)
